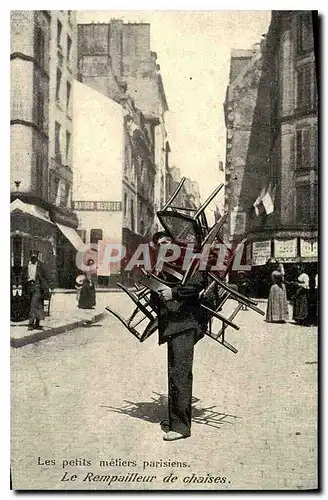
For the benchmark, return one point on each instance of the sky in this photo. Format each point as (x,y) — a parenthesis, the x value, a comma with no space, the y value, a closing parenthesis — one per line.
(193,50)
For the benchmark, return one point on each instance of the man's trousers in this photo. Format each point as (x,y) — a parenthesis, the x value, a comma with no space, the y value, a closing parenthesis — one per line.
(180,360)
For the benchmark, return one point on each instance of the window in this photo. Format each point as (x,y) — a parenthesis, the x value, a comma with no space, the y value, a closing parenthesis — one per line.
(96,235)
(132,215)
(68,94)
(57,142)
(125,204)
(315,203)
(69,46)
(304,32)
(83,234)
(59,32)
(17,251)
(54,189)
(68,145)
(40,108)
(39,174)
(303,151)
(306,88)
(315,152)
(39,46)
(303,203)
(58,81)
(67,188)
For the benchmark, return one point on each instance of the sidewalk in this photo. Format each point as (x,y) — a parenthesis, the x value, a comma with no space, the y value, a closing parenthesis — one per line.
(64,316)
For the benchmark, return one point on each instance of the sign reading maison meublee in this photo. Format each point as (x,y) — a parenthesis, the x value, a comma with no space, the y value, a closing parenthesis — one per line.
(106,206)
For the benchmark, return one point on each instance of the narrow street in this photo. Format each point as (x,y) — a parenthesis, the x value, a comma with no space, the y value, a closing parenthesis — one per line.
(97,394)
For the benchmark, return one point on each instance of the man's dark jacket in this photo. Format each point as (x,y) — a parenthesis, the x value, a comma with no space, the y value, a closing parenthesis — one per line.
(183,312)
(41,277)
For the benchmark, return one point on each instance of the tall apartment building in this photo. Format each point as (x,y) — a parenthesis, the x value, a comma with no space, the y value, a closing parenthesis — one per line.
(115,60)
(43,65)
(278,97)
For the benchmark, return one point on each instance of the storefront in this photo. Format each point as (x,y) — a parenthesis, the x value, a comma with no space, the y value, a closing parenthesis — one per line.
(31,229)
(292,253)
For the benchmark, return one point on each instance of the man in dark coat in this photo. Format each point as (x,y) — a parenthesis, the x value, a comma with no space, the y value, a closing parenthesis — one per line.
(182,323)
(37,288)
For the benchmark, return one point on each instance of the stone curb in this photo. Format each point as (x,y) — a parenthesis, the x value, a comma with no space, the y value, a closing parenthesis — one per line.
(32,337)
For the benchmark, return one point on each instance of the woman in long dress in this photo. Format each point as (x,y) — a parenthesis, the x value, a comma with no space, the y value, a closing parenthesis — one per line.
(87,294)
(301,300)
(277,308)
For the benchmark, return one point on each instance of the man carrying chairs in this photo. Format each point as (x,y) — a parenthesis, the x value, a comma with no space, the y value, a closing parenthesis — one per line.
(179,297)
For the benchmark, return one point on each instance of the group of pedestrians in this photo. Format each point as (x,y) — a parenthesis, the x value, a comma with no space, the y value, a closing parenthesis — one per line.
(305,300)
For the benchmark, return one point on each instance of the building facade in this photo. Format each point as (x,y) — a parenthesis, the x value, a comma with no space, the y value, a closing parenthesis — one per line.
(42,47)
(279,170)
(115,60)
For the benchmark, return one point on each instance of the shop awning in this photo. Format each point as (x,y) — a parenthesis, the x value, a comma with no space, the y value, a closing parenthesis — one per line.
(33,210)
(72,237)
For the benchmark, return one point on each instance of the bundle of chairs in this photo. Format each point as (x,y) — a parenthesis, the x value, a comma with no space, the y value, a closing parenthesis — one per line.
(184,230)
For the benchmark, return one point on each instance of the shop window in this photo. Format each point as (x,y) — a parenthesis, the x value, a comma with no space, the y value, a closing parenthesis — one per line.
(96,235)
(303,149)
(303,204)
(304,32)
(16,251)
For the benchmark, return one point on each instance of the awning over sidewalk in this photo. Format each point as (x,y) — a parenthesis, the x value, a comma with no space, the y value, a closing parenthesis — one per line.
(19,206)
(72,237)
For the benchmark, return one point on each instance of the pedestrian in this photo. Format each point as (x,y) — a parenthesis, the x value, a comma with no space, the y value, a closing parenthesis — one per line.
(244,286)
(181,324)
(301,300)
(36,289)
(78,285)
(87,295)
(313,301)
(277,307)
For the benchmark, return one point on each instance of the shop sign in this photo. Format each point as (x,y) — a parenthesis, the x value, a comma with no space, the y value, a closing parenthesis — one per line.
(309,248)
(285,249)
(261,252)
(98,206)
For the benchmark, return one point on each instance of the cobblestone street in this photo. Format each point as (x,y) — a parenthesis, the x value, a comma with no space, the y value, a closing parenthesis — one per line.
(97,394)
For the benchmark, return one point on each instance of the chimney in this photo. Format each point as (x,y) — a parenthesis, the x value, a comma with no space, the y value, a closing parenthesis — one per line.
(115,46)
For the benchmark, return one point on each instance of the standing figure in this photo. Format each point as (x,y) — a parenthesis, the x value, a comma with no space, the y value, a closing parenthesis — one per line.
(301,300)
(36,288)
(87,294)
(277,307)
(181,323)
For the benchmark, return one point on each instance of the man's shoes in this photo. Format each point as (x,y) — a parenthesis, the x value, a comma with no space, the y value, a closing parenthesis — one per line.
(30,327)
(173,436)
(38,327)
